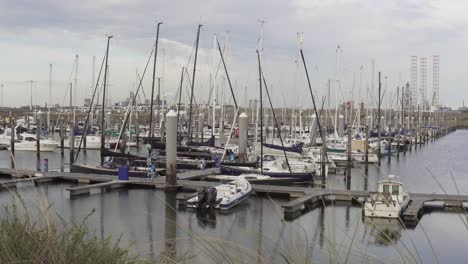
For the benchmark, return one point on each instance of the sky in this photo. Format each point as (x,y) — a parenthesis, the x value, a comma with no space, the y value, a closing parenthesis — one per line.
(35,34)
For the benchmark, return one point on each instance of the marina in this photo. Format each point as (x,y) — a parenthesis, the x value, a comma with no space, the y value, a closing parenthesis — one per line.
(233,138)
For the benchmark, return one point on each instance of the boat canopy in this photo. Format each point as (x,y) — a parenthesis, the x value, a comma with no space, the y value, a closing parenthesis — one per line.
(390,186)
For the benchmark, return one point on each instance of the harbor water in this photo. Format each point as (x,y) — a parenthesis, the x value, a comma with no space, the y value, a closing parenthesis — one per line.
(151,224)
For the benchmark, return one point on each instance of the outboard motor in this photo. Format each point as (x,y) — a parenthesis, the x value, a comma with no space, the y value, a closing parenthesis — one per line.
(212,194)
(202,197)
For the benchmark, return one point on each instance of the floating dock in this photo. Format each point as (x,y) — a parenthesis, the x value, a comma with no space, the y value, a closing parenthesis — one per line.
(303,198)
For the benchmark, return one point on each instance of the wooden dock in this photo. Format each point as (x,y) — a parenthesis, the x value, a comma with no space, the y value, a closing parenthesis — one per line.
(303,198)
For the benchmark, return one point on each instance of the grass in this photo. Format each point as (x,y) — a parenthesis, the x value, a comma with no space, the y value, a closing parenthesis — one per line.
(24,240)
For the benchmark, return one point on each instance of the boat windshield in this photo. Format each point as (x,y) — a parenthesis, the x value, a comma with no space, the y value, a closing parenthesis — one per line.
(395,189)
(386,188)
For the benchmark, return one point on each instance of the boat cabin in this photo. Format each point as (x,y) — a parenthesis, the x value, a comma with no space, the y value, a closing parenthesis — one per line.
(391,187)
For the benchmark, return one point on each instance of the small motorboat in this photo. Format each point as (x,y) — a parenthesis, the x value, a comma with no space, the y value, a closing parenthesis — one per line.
(223,196)
(389,201)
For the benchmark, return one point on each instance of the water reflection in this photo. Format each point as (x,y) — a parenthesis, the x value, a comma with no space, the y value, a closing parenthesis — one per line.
(169,254)
(383,232)
(206,218)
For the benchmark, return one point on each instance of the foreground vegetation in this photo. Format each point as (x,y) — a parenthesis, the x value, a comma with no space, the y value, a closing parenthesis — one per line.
(24,240)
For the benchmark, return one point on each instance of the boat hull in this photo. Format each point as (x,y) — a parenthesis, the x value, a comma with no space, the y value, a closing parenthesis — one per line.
(384,210)
(89,169)
(297,176)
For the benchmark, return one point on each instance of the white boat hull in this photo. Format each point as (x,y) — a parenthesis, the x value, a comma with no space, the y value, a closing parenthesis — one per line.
(226,195)
(27,146)
(384,210)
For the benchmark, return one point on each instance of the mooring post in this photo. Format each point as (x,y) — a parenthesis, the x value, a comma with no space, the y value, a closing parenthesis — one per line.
(12,141)
(323,159)
(62,138)
(137,130)
(72,142)
(171,150)
(313,130)
(348,171)
(243,127)
(38,140)
(398,140)
(341,124)
(389,139)
(84,135)
(367,150)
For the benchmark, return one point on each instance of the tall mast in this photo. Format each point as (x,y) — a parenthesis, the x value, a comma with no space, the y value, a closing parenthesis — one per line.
(299,40)
(1,93)
(338,49)
(180,96)
(76,80)
(50,87)
(213,83)
(104,100)
(261,112)
(30,95)
(193,83)
(259,51)
(151,130)
(50,96)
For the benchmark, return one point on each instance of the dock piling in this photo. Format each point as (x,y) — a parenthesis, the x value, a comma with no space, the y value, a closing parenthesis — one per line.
(171,150)
(72,142)
(366,165)
(243,127)
(348,171)
(38,140)
(12,141)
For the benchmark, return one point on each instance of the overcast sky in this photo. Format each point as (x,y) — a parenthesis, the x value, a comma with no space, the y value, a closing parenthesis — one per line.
(35,34)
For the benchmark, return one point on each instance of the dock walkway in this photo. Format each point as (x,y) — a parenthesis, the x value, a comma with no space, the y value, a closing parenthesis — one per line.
(303,198)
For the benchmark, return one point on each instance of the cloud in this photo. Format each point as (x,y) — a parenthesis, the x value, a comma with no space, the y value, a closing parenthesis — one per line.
(34,34)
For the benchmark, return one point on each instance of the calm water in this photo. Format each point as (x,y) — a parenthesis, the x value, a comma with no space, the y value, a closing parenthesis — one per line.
(148,220)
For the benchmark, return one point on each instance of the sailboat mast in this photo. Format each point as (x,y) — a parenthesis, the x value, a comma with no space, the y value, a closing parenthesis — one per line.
(261,113)
(193,83)
(104,100)
(151,130)
(180,95)
(337,87)
(213,82)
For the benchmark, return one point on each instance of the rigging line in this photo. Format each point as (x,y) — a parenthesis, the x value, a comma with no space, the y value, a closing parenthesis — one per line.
(227,74)
(217,71)
(276,122)
(66,90)
(190,84)
(136,93)
(315,107)
(90,108)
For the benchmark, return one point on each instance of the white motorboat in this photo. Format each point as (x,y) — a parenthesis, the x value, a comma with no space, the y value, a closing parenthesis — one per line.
(28,143)
(223,196)
(389,201)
